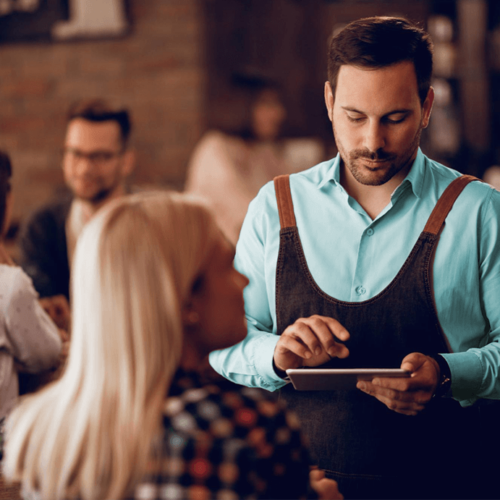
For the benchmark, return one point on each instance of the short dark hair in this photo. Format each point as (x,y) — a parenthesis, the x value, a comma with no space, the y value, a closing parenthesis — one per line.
(5,175)
(98,110)
(378,42)
(250,84)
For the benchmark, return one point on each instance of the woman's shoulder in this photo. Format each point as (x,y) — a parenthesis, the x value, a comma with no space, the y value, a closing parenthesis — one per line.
(14,282)
(303,152)
(217,138)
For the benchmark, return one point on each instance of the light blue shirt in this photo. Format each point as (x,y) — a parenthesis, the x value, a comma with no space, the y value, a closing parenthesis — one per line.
(353,258)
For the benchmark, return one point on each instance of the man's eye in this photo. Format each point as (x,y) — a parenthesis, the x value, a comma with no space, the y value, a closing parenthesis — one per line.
(396,119)
(100,157)
(355,119)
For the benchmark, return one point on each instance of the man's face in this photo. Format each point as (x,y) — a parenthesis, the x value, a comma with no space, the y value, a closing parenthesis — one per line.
(94,162)
(377,120)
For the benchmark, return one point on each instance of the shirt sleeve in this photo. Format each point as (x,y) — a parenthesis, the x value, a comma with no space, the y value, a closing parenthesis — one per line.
(33,337)
(250,362)
(475,373)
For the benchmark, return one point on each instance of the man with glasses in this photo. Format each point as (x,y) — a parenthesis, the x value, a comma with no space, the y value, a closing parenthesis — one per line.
(96,160)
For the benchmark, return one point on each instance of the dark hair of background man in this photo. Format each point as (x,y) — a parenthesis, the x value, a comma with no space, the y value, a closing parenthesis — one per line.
(98,110)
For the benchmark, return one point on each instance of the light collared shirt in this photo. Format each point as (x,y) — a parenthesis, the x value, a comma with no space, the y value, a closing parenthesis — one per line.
(353,258)
(75,222)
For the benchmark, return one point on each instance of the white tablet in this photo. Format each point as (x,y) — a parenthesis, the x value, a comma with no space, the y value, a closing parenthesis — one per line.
(329,379)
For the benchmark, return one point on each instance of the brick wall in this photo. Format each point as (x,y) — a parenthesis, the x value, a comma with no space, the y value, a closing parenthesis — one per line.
(156,71)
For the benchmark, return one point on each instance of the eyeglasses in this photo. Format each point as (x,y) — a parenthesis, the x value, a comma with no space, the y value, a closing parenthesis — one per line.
(99,157)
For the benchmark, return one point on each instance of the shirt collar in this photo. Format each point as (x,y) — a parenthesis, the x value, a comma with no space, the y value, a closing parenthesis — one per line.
(332,173)
(415,176)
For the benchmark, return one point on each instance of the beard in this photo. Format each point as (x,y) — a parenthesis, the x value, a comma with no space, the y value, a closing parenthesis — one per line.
(391,163)
(101,195)
(99,190)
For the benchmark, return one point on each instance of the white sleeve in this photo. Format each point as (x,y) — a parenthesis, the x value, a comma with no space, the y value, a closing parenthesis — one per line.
(33,337)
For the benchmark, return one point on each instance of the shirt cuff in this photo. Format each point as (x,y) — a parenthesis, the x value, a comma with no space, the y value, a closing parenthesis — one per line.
(264,360)
(466,374)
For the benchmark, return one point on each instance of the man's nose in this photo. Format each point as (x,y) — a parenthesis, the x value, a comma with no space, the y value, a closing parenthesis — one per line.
(375,136)
(84,164)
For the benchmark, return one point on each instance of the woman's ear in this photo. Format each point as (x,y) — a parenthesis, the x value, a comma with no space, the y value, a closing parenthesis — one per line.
(190,315)
(190,318)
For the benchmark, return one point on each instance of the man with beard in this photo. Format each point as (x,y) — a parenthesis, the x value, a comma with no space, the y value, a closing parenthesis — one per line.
(352,265)
(96,161)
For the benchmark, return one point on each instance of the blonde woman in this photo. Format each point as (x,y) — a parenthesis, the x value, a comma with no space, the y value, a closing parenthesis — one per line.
(154,291)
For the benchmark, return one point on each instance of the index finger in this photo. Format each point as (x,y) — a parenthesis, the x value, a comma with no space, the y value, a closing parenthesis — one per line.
(337,329)
(329,331)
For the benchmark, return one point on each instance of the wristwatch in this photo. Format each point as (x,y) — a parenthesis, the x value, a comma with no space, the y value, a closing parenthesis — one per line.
(281,373)
(443,388)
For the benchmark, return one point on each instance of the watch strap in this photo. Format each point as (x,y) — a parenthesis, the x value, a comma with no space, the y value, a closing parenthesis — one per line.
(443,389)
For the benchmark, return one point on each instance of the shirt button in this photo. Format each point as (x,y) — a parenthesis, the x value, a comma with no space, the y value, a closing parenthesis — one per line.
(369,231)
(360,290)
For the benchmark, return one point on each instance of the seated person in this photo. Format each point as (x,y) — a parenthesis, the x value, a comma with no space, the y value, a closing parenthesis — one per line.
(29,340)
(229,167)
(96,162)
(154,291)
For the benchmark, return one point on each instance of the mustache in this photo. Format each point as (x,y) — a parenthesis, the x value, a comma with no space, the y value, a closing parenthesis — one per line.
(379,155)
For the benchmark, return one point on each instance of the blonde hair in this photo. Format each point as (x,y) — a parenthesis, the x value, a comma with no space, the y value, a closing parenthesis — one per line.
(89,434)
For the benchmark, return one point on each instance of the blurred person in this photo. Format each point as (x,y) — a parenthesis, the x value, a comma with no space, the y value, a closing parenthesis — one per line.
(96,161)
(229,167)
(154,291)
(29,340)
(380,258)
(492,176)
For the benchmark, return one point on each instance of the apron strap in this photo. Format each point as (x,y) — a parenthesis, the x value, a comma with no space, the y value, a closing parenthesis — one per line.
(284,199)
(445,204)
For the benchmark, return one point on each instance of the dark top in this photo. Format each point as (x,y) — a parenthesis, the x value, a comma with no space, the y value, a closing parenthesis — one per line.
(44,252)
(223,441)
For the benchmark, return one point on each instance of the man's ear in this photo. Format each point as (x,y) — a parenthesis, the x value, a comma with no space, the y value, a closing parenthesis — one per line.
(329,100)
(427,107)
(128,162)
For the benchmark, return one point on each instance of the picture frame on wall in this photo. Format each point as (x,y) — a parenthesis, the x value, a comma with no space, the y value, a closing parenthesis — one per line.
(62,20)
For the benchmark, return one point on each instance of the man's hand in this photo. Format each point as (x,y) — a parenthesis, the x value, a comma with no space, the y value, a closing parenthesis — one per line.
(407,395)
(326,489)
(57,308)
(310,342)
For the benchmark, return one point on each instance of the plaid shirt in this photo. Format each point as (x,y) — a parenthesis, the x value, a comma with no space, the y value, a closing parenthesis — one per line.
(222,443)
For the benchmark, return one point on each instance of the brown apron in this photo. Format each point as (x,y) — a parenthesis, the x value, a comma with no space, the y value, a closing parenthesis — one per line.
(371,451)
